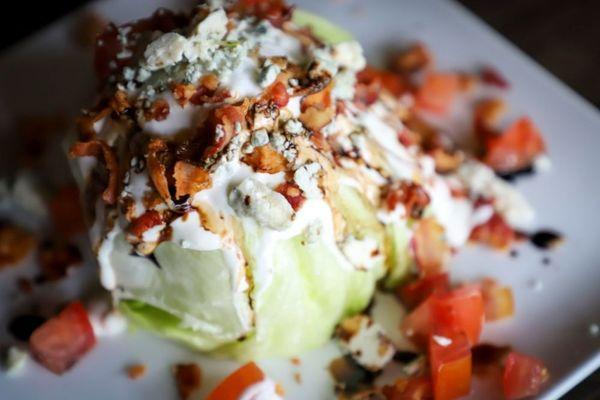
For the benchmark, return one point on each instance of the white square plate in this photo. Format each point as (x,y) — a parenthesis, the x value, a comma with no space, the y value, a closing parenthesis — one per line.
(48,73)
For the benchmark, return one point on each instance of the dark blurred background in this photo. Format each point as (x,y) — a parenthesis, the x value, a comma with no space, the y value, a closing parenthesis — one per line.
(563,36)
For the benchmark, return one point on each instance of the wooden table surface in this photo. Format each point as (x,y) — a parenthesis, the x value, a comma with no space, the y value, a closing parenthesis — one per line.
(563,36)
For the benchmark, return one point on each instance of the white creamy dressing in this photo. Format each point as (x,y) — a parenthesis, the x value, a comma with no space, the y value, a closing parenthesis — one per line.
(369,346)
(137,186)
(263,390)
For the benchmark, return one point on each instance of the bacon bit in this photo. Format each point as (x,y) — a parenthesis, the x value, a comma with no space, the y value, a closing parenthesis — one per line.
(85,123)
(446,161)
(411,195)
(89,25)
(516,148)
(487,115)
(136,371)
(15,244)
(425,131)
(119,103)
(437,93)
(190,179)
(188,378)
(279,390)
(298,378)
(25,285)
(277,94)
(151,199)
(158,111)
(320,99)
(409,138)
(292,194)
(416,58)
(315,119)
(266,159)
(320,141)
(147,220)
(430,249)
(295,361)
(498,300)
(222,125)
(182,93)
(370,82)
(67,213)
(157,169)
(103,152)
(275,11)
(495,233)
(492,77)
(56,259)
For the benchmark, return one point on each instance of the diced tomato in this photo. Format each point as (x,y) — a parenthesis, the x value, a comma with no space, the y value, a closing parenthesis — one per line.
(514,149)
(430,249)
(497,299)
(418,388)
(460,310)
(450,361)
(61,341)
(416,292)
(437,92)
(234,385)
(523,376)
(495,233)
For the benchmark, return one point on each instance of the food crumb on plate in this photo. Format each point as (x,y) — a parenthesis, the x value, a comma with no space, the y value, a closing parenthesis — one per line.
(136,371)
(536,285)
(15,360)
(298,378)
(188,378)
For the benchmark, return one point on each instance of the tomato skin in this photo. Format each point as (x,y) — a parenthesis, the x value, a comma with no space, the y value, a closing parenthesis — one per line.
(437,93)
(61,341)
(523,376)
(232,387)
(498,300)
(416,292)
(515,148)
(450,366)
(418,388)
(460,310)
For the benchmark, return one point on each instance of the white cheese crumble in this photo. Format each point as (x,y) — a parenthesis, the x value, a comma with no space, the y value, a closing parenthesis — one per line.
(165,51)
(256,200)
(15,360)
(260,137)
(293,127)
(268,74)
(306,179)
(362,253)
(366,342)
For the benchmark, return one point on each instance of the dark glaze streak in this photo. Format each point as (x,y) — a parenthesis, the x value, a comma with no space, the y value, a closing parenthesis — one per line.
(546,239)
(513,176)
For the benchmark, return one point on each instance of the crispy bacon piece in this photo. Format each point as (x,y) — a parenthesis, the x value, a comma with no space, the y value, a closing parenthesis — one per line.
(446,161)
(416,58)
(292,194)
(55,259)
(188,378)
(487,115)
(158,111)
(317,109)
(157,168)
(15,244)
(266,159)
(208,91)
(104,153)
(66,210)
(430,248)
(222,124)
(136,371)
(147,220)
(85,123)
(190,179)
(182,92)
(497,299)
(492,77)
(119,102)
(411,195)
(275,11)
(370,82)
(320,142)
(495,233)
(277,94)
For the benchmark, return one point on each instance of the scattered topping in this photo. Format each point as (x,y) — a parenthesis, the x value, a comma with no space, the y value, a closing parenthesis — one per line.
(254,199)
(523,376)
(146,221)
(495,232)
(188,378)
(15,360)
(546,239)
(61,341)
(414,293)
(157,149)
(190,179)
(414,59)
(15,244)
(306,179)
(136,371)
(411,195)
(492,77)
(266,159)
(438,92)
(366,341)
(292,194)
(103,152)
(498,300)
(430,248)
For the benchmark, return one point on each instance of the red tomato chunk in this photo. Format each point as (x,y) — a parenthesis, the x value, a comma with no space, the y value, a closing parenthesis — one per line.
(450,360)
(61,341)
(523,376)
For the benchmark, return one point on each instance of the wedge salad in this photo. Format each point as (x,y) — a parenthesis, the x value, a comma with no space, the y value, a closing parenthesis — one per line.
(249,182)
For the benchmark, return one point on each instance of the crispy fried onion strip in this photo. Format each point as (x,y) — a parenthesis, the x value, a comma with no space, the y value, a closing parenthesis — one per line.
(103,152)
